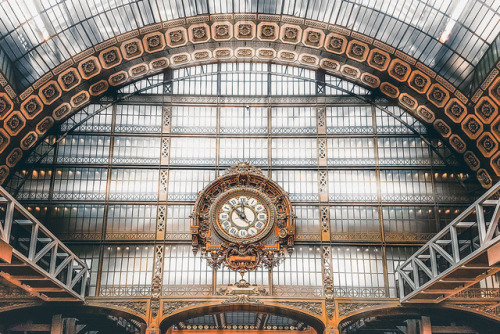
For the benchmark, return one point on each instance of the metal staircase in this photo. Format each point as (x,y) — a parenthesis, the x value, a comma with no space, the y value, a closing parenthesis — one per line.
(463,253)
(34,259)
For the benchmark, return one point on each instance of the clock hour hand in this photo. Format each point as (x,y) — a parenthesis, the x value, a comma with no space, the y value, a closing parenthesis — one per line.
(241,214)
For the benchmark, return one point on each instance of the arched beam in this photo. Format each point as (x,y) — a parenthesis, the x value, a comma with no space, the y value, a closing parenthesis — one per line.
(467,314)
(185,311)
(471,126)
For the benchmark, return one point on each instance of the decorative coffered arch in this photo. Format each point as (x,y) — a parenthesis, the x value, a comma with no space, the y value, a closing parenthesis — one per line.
(471,126)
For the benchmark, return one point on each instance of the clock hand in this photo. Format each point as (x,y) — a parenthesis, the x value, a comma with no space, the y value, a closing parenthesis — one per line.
(240,214)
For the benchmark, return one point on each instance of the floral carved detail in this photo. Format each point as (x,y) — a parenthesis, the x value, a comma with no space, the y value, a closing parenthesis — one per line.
(408,101)
(32,107)
(456,110)
(153,41)
(266,53)
(222,53)
(438,95)
(15,123)
(311,307)
(201,55)
(309,60)
(4,305)
(245,30)
(442,127)
(50,91)
(139,70)
(244,52)
(486,308)
(484,178)
(345,309)
(116,79)
(137,307)
(199,32)
(330,65)
(471,160)
(29,140)
(288,55)
(426,114)
(399,70)
(473,126)
(379,59)
(5,105)
(61,111)
(458,143)
(370,80)
(291,33)
(313,37)
(159,64)
(44,125)
(486,110)
(268,31)
(222,30)
(14,157)
(389,90)
(176,36)
(487,143)
(132,49)
(79,99)
(4,140)
(419,81)
(4,171)
(89,67)
(180,59)
(336,44)
(68,79)
(110,57)
(171,307)
(357,49)
(98,88)
(349,71)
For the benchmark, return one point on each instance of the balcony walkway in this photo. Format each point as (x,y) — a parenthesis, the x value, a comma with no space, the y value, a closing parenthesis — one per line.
(34,259)
(459,256)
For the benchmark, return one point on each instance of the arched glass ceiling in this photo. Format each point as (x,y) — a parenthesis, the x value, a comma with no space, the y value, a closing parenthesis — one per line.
(38,35)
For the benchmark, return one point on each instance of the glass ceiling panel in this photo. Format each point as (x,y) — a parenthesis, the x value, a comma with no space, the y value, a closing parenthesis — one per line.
(414,26)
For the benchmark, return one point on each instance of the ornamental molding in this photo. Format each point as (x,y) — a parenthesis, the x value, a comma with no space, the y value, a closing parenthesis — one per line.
(16,304)
(490,309)
(139,307)
(311,307)
(149,50)
(169,307)
(347,308)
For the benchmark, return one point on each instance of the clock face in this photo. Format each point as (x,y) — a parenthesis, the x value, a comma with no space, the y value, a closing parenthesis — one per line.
(243,217)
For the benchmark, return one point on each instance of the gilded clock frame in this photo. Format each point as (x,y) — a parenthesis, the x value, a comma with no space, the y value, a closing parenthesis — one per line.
(243,191)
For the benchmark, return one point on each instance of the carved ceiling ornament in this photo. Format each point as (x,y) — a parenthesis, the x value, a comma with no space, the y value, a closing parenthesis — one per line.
(243,220)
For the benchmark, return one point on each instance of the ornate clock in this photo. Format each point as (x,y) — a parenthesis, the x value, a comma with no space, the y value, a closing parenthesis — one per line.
(243,220)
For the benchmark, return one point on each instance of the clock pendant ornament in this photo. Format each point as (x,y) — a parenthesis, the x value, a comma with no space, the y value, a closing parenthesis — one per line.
(243,220)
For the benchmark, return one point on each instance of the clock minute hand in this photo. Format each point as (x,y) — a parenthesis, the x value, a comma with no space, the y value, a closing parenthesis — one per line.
(240,214)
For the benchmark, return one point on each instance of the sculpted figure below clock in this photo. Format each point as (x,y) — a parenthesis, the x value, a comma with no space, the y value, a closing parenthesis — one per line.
(243,220)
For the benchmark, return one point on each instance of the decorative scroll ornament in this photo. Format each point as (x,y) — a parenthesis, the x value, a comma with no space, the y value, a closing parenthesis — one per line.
(243,220)
(242,292)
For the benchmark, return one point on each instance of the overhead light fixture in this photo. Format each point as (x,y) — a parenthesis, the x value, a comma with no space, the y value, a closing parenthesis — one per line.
(457,11)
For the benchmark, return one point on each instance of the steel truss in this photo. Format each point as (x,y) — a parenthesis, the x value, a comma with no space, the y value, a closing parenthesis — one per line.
(34,259)
(459,256)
